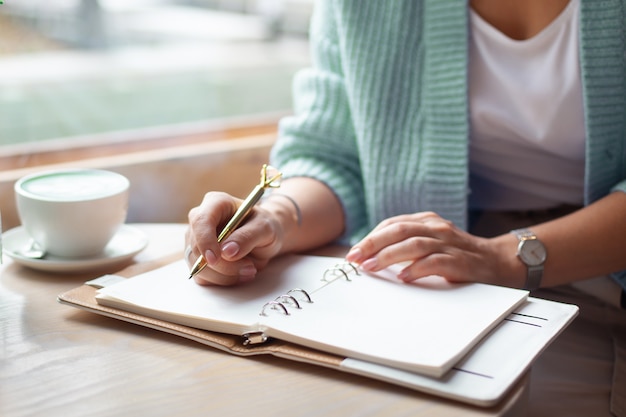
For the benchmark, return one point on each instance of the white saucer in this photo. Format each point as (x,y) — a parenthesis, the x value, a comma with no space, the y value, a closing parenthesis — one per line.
(126,243)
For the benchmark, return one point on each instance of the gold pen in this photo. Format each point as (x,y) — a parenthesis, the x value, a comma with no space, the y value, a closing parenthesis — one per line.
(243,210)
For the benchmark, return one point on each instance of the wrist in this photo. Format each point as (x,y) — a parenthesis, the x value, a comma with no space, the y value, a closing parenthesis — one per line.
(532,253)
(286,211)
(510,270)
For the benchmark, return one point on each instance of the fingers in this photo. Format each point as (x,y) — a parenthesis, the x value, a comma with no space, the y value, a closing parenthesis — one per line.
(238,257)
(219,271)
(206,220)
(424,243)
(400,238)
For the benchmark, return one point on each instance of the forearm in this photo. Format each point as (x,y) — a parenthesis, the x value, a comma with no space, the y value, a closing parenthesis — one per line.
(588,243)
(313,218)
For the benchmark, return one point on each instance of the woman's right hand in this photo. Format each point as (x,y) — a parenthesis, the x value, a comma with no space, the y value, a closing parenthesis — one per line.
(238,257)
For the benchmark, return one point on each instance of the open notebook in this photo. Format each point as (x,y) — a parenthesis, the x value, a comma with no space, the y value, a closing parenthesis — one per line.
(482,377)
(424,327)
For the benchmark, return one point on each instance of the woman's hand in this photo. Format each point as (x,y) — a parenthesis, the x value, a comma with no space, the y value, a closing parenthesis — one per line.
(430,245)
(238,257)
(309,217)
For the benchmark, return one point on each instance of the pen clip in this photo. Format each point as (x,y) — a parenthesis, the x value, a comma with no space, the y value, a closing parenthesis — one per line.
(274,181)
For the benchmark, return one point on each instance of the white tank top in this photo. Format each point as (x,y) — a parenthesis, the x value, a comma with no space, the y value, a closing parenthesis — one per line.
(527,143)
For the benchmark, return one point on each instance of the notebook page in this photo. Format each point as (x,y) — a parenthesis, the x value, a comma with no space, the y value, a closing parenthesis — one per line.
(167,294)
(489,370)
(424,327)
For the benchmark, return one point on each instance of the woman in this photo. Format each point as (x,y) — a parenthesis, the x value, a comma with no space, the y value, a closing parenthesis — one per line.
(426,132)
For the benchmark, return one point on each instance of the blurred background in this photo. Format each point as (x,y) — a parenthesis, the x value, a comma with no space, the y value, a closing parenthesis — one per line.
(182,96)
(77,67)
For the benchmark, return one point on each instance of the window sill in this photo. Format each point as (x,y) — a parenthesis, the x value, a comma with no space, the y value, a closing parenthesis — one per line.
(170,169)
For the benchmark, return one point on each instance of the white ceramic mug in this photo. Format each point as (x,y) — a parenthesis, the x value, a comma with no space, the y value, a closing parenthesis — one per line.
(72,213)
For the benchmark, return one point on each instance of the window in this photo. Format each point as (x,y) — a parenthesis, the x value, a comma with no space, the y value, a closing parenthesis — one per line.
(71,68)
(84,79)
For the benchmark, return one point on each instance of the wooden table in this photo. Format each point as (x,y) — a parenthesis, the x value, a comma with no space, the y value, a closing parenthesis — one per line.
(59,361)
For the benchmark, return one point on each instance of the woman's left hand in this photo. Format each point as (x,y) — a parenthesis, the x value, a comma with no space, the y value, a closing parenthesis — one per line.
(430,245)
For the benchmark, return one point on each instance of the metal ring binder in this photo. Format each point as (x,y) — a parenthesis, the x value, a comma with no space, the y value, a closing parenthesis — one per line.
(282,302)
(300,290)
(339,270)
(274,305)
(352,266)
(254,338)
(289,299)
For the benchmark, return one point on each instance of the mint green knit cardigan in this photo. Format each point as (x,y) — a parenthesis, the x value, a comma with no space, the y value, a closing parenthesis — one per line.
(381,117)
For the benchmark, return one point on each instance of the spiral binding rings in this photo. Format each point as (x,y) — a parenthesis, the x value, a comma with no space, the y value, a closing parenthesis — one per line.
(284,301)
(289,299)
(281,302)
(274,305)
(339,271)
(300,290)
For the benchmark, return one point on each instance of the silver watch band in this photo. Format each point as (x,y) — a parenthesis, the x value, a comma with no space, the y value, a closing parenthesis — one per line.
(534,272)
(533,279)
(523,234)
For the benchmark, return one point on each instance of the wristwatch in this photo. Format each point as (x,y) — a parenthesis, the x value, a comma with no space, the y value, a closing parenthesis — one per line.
(533,254)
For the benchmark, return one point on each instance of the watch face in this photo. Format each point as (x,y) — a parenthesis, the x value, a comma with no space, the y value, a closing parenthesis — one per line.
(532,252)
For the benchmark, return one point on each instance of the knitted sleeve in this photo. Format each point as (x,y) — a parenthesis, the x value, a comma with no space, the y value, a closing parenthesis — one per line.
(620,187)
(318,141)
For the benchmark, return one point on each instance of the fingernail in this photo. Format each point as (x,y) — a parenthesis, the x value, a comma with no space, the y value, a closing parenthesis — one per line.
(247,273)
(230,249)
(210,257)
(355,255)
(370,265)
(403,275)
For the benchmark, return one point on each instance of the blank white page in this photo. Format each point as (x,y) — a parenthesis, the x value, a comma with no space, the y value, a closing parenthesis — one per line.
(423,327)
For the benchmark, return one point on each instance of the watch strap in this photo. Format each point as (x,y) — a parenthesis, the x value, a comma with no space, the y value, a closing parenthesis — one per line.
(534,273)
(533,278)
(524,234)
